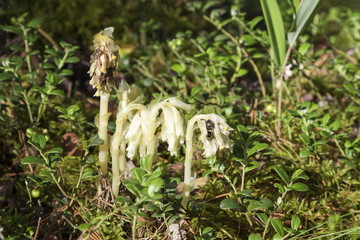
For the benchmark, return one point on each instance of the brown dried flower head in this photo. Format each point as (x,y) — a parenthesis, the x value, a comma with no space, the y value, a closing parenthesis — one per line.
(103,61)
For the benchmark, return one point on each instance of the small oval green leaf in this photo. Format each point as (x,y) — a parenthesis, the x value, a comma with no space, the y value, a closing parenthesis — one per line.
(229,203)
(31,160)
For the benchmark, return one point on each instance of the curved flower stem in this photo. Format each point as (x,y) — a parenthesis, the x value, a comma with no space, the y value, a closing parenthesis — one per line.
(188,181)
(151,148)
(118,157)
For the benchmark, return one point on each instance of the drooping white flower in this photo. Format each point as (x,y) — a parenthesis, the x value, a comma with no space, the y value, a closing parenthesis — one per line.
(288,73)
(172,123)
(135,135)
(214,134)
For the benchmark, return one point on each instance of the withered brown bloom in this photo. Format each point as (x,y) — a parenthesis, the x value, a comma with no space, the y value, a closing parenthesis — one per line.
(103,61)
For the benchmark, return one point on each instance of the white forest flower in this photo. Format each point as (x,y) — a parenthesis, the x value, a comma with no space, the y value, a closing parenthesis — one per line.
(172,123)
(135,135)
(288,73)
(214,134)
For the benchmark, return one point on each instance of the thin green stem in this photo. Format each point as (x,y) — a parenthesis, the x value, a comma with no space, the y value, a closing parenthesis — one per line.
(28,107)
(281,90)
(134,228)
(52,174)
(27,48)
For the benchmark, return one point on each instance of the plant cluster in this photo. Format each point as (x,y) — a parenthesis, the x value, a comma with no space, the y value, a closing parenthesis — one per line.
(279,89)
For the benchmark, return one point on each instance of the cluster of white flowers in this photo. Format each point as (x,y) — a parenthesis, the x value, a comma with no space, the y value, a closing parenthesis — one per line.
(139,131)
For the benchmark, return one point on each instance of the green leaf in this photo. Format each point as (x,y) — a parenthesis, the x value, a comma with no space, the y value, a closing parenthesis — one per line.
(88,173)
(296,174)
(278,226)
(325,120)
(38,141)
(5,76)
(72,60)
(12,29)
(277,237)
(31,160)
(195,90)
(55,150)
(295,222)
(256,148)
(34,23)
(262,216)
(178,68)
(145,162)
(305,153)
(282,173)
(304,48)
(301,187)
(84,226)
(254,237)
(264,203)
(241,72)
(305,138)
(254,165)
(275,28)
(229,203)
(95,141)
(303,16)
(280,187)
(155,186)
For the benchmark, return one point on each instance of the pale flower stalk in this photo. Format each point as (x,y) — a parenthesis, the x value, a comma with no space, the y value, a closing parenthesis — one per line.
(214,134)
(103,63)
(128,103)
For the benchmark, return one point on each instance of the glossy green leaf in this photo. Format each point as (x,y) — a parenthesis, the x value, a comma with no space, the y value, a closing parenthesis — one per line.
(178,68)
(278,226)
(283,174)
(5,76)
(301,187)
(257,147)
(295,222)
(229,203)
(34,23)
(262,216)
(305,153)
(254,237)
(84,226)
(275,28)
(31,160)
(95,141)
(55,150)
(155,186)
(72,60)
(305,138)
(280,187)
(38,141)
(306,10)
(253,165)
(195,90)
(264,203)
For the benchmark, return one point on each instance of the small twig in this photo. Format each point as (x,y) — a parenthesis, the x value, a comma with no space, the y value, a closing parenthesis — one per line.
(37,228)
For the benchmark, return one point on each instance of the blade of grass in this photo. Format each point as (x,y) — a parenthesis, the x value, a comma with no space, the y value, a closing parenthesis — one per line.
(304,14)
(275,27)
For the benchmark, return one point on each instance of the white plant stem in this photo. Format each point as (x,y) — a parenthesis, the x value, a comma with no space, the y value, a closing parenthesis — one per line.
(188,180)
(103,132)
